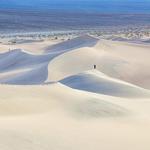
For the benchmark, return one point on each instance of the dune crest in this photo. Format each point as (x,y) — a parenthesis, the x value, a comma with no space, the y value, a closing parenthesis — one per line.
(47,99)
(117,59)
(78,42)
(95,81)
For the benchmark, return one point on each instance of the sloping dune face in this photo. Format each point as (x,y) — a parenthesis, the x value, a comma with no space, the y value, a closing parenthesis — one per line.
(135,61)
(83,41)
(19,59)
(47,99)
(19,67)
(94,81)
(117,59)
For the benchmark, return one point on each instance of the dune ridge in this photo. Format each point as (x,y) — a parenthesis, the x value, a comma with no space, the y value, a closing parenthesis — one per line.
(83,103)
(95,81)
(78,42)
(38,64)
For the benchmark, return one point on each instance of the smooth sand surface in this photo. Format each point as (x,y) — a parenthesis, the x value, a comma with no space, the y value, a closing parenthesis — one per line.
(52,98)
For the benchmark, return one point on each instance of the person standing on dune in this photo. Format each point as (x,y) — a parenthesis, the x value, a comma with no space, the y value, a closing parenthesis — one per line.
(94,66)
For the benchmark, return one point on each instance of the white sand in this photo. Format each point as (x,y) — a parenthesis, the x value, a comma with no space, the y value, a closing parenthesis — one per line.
(106,109)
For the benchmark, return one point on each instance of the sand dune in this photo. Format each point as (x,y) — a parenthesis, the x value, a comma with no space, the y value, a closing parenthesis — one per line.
(82,41)
(43,117)
(18,59)
(47,98)
(95,81)
(20,67)
(120,60)
(36,47)
(55,100)
(37,75)
(134,57)
(73,62)
(115,59)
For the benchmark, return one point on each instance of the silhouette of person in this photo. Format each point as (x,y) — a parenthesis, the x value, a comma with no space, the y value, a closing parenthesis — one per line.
(94,66)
